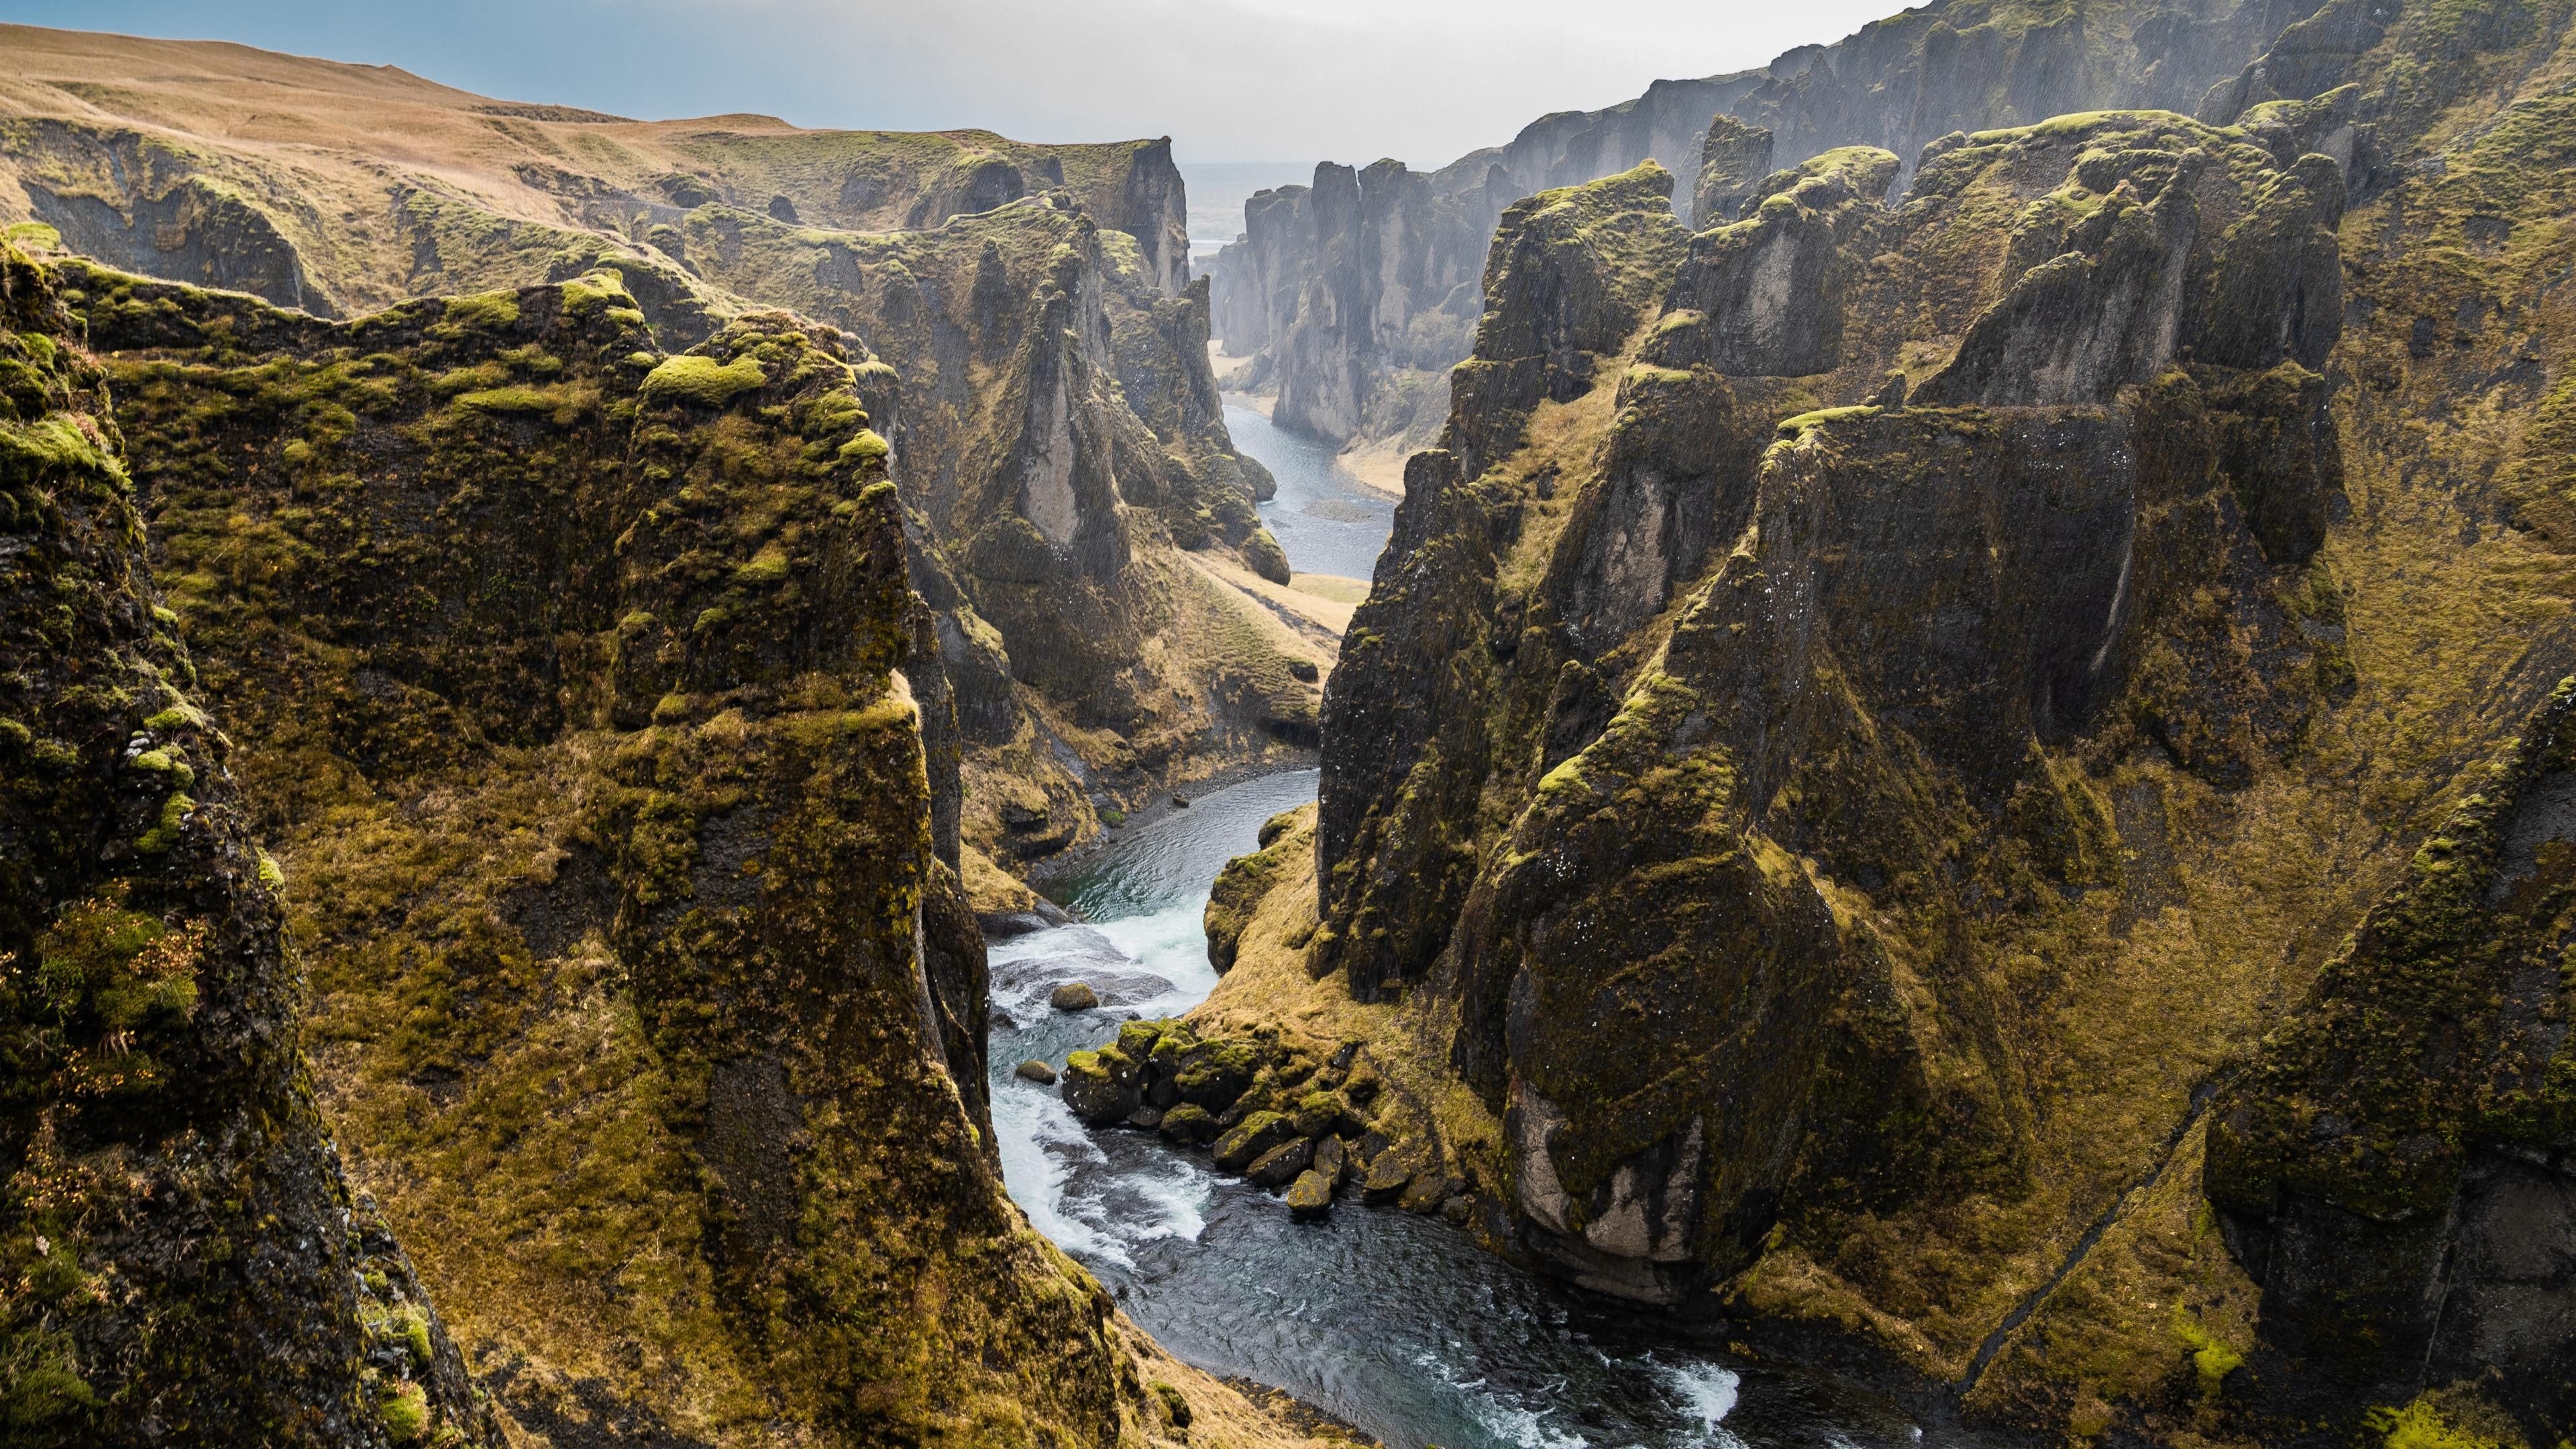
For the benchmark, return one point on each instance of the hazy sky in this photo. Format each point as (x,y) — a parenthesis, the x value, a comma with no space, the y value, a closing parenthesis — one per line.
(1347,80)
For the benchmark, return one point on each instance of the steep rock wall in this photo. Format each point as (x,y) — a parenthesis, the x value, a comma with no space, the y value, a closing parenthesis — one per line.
(1936,742)
(182,1259)
(571,681)
(1288,291)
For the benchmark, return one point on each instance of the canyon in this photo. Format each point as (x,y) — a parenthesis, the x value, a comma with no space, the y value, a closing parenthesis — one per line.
(1944,816)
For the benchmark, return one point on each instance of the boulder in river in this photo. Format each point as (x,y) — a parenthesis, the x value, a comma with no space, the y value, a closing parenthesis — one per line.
(1332,1158)
(1392,1171)
(1100,1086)
(1310,1197)
(1036,1071)
(1189,1124)
(1280,1166)
(1074,996)
(1253,1136)
(1428,1191)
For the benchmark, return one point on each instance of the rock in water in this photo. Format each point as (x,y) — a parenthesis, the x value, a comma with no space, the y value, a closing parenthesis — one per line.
(1391,1172)
(1189,1123)
(1253,1136)
(1074,996)
(1036,1071)
(1331,1157)
(1310,1197)
(1101,1087)
(1282,1164)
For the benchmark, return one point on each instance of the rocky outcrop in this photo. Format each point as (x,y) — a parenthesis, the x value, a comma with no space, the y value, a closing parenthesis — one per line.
(1851,706)
(1733,160)
(1762,298)
(572,681)
(182,1258)
(2397,1166)
(1021,313)
(1073,449)
(1290,292)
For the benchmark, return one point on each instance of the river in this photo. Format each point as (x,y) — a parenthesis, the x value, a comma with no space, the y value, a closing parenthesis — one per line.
(1394,1322)
(1397,1323)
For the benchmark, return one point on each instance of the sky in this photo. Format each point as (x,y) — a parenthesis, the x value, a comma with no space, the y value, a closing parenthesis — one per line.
(1424,81)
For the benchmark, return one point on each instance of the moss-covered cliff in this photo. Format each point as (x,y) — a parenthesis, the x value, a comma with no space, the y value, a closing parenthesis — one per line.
(1035,347)
(182,1259)
(1352,297)
(1874,711)
(570,685)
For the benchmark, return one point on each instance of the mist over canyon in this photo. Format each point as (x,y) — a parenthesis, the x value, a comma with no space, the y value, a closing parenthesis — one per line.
(1869,751)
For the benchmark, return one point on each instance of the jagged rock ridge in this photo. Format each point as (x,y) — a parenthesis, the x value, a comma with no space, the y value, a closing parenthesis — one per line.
(1925,679)
(1352,305)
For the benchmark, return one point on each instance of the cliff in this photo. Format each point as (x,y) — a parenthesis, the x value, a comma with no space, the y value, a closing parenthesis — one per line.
(340,188)
(1347,303)
(1034,344)
(572,684)
(182,1258)
(1847,788)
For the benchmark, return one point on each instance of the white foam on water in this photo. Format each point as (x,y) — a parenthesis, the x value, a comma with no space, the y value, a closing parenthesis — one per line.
(1178,1199)
(1707,1394)
(1171,943)
(1038,1137)
(1522,1428)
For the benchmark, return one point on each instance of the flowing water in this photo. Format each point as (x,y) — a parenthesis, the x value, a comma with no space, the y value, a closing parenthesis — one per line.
(1397,1323)
(1326,521)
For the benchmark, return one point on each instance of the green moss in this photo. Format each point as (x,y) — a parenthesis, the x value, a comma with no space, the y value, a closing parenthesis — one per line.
(492,311)
(405,1411)
(2422,1425)
(167,826)
(702,381)
(865,450)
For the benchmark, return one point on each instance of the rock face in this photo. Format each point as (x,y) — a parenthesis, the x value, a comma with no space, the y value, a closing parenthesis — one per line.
(2398,1165)
(183,1253)
(94,149)
(1345,294)
(573,685)
(1021,316)
(1733,160)
(1842,657)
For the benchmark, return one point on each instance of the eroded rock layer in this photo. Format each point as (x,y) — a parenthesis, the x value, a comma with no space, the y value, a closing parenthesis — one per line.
(182,1258)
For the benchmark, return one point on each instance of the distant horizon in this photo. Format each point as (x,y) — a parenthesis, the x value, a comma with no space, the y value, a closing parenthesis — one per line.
(1301,80)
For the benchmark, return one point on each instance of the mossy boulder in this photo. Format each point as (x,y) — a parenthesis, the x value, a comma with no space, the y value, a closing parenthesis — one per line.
(1255,1135)
(1190,1124)
(1214,1074)
(1262,554)
(1393,1171)
(1036,1071)
(1315,1113)
(1280,1165)
(1310,1197)
(1074,996)
(1101,1086)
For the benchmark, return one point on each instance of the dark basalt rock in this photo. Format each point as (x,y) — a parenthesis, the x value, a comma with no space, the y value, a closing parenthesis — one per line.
(1310,1198)
(2398,1167)
(1282,1164)
(185,1249)
(1734,159)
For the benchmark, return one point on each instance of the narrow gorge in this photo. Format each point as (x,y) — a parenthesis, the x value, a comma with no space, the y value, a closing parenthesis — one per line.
(1869,752)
